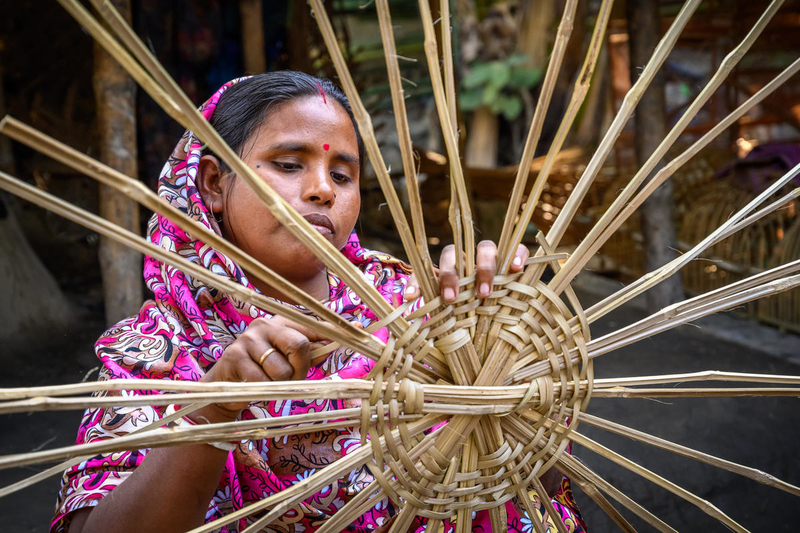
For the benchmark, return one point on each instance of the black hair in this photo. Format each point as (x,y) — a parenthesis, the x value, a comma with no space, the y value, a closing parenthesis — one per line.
(244,106)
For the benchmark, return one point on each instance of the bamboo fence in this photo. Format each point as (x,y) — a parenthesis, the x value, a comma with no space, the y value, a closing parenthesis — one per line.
(511,374)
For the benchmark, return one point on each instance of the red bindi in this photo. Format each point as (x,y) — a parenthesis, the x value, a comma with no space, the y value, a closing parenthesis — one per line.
(322,93)
(326,147)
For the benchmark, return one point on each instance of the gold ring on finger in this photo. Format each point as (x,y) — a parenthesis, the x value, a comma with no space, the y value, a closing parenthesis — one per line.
(265,355)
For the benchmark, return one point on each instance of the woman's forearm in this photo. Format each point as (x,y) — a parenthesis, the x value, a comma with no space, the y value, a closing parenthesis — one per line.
(168,492)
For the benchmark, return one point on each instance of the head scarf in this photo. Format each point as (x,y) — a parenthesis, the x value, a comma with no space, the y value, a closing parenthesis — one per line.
(185,329)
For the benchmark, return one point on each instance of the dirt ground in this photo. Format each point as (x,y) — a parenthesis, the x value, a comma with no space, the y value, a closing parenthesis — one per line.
(762,433)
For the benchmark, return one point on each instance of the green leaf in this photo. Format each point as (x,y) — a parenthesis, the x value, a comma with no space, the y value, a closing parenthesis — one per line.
(524,78)
(516,60)
(479,74)
(470,99)
(512,107)
(499,74)
(490,95)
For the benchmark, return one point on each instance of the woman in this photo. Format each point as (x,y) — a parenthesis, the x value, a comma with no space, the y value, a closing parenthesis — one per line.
(298,133)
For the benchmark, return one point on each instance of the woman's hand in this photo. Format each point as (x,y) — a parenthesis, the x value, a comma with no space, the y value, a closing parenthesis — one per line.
(486,266)
(271,349)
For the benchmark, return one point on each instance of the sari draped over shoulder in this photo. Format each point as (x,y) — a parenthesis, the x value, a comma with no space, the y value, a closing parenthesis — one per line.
(184,330)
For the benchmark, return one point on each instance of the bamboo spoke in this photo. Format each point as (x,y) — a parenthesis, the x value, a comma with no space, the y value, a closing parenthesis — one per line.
(136,242)
(623,392)
(708,375)
(626,109)
(294,496)
(190,118)
(579,93)
(682,493)
(580,471)
(140,193)
(648,280)
(582,255)
(505,252)
(640,436)
(464,238)
(429,284)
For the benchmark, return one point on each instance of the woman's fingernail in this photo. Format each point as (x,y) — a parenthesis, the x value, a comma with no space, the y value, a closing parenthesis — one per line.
(484,289)
(411,290)
(449,294)
(517,261)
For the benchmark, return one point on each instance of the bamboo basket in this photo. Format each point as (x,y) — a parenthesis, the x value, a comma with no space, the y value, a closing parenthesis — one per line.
(511,374)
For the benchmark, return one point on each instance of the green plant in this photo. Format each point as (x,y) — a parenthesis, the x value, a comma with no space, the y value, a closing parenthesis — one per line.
(497,85)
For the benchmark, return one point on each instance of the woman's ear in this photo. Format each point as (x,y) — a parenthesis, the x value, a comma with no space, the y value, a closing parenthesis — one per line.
(210,183)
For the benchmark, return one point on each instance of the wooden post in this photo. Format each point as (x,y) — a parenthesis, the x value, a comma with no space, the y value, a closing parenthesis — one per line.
(657,213)
(255,61)
(115,95)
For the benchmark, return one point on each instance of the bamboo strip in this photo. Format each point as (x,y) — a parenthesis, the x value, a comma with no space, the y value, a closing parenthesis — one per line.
(579,92)
(464,217)
(582,254)
(429,284)
(140,193)
(61,467)
(102,226)
(368,135)
(505,252)
(708,375)
(751,473)
(675,315)
(314,482)
(703,505)
(161,437)
(678,392)
(626,109)
(591,490)
(581,471)
(615,300)
(283,212)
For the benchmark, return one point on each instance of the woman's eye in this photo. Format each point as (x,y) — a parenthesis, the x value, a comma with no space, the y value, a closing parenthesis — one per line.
(286,166)
(340,177)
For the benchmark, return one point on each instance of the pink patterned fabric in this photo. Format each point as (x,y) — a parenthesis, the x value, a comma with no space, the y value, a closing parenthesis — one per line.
(182,332)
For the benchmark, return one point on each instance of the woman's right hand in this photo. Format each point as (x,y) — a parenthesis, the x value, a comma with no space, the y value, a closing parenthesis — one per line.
(271,349)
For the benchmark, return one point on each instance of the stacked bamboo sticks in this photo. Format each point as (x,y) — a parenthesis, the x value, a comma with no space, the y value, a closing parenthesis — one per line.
(511,374)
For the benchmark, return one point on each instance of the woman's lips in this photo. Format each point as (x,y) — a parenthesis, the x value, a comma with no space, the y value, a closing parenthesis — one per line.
(321,223)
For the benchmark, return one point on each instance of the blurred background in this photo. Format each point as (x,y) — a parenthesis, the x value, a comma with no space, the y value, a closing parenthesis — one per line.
(58,275)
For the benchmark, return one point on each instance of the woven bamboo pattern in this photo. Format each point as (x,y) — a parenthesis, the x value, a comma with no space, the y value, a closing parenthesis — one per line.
(470,402)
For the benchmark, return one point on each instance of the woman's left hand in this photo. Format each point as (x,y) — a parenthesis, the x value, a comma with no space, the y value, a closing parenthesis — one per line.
(486,266)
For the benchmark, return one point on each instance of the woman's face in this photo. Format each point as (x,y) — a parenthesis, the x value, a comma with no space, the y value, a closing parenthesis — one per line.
(307,151)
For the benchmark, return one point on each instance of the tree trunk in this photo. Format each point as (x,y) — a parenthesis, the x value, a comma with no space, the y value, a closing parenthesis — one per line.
(115,95)
(657,213)
(255,60)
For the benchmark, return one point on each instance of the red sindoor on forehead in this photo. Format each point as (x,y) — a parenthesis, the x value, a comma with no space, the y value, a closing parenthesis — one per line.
(326,147)
(322,93)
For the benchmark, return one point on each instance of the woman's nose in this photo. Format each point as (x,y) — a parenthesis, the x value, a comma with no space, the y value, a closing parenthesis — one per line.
(318,188)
